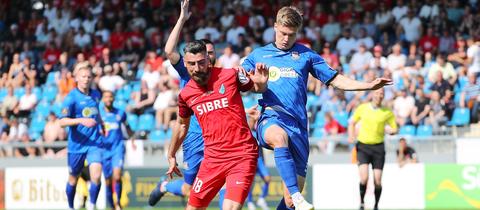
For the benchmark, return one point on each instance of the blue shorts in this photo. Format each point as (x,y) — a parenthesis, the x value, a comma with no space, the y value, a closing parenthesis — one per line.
(298,137)
(262,169)
(113,159)
(76,161)
(192,158)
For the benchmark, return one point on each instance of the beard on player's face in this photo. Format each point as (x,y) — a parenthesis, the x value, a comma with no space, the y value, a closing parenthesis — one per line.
(201,77)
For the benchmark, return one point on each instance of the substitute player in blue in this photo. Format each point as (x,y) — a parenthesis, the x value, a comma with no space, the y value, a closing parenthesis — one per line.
(113,121)
(193,143)
(283,123)
(80,114)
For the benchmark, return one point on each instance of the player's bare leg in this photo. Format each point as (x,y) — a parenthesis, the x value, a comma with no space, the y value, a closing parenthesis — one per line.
(363,172)
(194,208)
(377,180)
(95,175)
(231,205)
(277,138)
(186,189)
(117,179)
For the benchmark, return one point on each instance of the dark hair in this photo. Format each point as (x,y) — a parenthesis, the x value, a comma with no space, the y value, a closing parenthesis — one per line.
(195,47)
(206,41)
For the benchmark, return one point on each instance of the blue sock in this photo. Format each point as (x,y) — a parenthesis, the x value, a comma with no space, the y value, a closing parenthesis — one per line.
(221,196)
(109,195)
(286,168)
(94,189)
(265,190)
(282,205)
(118,190)
(70,190)
(250,196)
(175,187)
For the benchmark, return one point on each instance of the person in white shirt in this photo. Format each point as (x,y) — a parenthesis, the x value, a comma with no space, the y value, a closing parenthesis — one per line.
(109,81)
(346,45)
(400,10)
(331,30)
(360,61)
(269,33)
(429,10)
(378,62)
(233,32)
(229,59)
(256,21)
(26,104)
(226,19)
(403,106)
(89,24)
(473,56)
(411,26)
(367,41)
(150,76)
(396,62)
(82,39)
(383,18)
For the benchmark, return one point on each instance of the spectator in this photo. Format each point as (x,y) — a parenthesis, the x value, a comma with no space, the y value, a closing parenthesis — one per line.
(154,60)
(364,39)
(446,69)
(228,59)
(65,83)
(234,32)
(440,85)
(26,104)
(459,57)
(436,116)
(470,97)
(110,81)
(53,133)
(378,62)
(346,45)
(226,19)
(429,10)
(82,39)
(4,129)
(454,11)
(165,105)
(143,100)
(360,61)
(332,128)
(429,42)
(331,31)
(26,150)
(421,109)
(446,43)
(396,62)
(384,18)
(405,153)
(411,26)
(16,76)
(9,103)
(330,58)
(150,77)
(399,11)
(403,107)
(268,35)
(473,56)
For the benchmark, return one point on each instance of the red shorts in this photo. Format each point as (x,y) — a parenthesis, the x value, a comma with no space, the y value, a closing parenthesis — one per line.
(238,176)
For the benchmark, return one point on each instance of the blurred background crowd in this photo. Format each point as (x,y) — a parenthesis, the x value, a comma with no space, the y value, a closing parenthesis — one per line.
(430,48)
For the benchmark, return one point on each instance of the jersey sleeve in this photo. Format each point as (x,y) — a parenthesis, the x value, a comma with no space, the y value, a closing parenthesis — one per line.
(391,120)
(68,107)
(181,69)
(321,70)
(244,82)
(357,114)
(249,62)
(183,110)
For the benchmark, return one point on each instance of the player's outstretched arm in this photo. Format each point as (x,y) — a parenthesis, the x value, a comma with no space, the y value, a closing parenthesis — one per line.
(87,122)
(179,132)
(345,83)
(172,41)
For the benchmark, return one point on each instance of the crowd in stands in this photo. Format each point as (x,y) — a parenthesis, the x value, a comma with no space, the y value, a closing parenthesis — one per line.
(430,48)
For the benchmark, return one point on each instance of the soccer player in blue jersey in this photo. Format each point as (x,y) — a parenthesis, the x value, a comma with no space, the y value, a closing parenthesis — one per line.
(80,114)
(113,120)
(283,123)
(193,143)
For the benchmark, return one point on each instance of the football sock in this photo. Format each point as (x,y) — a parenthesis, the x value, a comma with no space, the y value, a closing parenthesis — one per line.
(221,196)
(94,189)
(175,187)
(118,190)
(282,205)
(265,190)
(109,195)
(286,168)
(363,190)
(70,190)
(378,193)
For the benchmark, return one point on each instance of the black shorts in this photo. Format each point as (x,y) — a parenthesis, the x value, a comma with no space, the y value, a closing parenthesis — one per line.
(371,153)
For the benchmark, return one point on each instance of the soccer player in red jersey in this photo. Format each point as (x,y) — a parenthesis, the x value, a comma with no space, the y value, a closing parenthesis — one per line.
(230,156)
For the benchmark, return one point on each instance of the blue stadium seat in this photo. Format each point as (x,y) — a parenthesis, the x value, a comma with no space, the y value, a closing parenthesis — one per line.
(169,134)
(311,100)
(38,92)
(119,95)
(132,120)
(146,122)
(50,92)
(34,136)
(136,86)
(57,108)
(407,130)
(424,131)
(42,108)
(51,78)
(342,118)
(37,125)
(319,120)
(126,91)
(120,104)
(318,133)
(157,135)
(461,116)
(139,74)
(3,93)
(19,92)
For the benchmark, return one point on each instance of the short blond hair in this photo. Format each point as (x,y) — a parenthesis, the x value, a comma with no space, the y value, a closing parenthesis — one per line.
(289,16)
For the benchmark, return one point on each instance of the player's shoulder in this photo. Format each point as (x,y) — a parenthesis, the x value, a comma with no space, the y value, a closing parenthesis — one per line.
(263,49)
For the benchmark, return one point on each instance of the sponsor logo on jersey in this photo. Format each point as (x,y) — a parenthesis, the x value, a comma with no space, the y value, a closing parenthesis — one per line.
(222,89)
(275,73)
(89,111)
(295,55)
(212,105)
(111,126)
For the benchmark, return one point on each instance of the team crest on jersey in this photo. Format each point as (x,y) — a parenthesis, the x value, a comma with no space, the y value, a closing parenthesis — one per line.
(64,111)
(89,111)
(222,89)
(295,55)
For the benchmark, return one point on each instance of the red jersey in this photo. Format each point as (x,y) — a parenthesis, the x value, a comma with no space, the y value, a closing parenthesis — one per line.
(219,109)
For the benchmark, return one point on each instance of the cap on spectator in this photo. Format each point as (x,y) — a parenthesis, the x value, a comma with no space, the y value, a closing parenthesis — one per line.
(378,48)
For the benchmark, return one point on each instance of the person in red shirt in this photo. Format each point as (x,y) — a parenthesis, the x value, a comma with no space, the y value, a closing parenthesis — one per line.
(230,156)
(429,42)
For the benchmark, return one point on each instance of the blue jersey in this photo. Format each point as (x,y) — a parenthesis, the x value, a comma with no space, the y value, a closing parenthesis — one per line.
(78,105)
(112,122)
(288,75)
(190,145)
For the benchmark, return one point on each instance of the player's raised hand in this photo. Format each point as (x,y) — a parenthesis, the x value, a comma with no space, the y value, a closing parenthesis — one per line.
(173,168)
(380,82)
(260,75)
(88,122)
(184,13)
